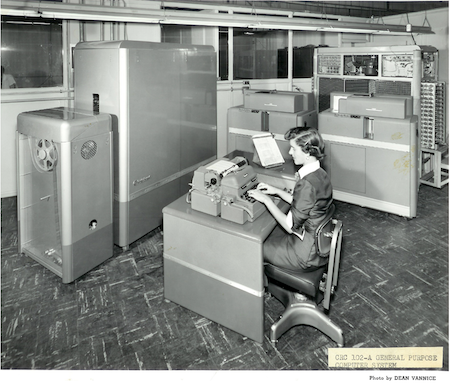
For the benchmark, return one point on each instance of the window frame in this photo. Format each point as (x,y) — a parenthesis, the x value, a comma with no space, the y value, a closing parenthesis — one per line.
(66,59)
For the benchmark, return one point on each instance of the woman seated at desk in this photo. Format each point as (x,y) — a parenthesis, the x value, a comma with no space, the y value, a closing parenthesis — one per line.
(292,243)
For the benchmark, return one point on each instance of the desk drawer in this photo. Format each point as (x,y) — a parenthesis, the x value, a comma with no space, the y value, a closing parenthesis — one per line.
(214,299)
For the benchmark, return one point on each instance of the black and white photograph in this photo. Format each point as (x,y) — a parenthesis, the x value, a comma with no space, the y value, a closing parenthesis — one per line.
(224,193)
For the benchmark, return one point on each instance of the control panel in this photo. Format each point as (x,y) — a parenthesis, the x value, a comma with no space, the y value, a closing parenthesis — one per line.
(329,64)
(397,65)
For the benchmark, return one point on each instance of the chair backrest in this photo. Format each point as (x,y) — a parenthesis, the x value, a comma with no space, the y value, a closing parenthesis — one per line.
(323,233)
(333,262)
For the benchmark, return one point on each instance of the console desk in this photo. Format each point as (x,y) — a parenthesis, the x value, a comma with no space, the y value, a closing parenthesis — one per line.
(214,267)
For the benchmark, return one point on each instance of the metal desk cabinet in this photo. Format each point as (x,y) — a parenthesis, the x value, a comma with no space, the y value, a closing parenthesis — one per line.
(214,267)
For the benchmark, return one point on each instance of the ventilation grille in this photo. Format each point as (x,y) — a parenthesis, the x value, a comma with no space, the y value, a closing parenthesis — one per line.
(396,88)
(357,86)
(326,86)
(89,149)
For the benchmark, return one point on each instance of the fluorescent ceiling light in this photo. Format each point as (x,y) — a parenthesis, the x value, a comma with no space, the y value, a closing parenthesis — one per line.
(89,12)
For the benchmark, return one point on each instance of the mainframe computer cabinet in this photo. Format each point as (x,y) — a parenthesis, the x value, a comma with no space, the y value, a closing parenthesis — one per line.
(162,98)
(385,72)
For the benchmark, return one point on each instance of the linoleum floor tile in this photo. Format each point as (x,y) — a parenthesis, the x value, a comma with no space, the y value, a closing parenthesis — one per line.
(392,291)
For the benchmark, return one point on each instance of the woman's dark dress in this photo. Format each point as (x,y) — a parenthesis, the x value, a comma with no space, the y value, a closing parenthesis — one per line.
(312,197)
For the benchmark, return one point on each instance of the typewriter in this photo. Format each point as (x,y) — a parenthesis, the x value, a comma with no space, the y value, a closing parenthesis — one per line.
(220,188)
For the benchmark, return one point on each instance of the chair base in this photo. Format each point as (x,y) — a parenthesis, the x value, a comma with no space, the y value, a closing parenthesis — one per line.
(302,313)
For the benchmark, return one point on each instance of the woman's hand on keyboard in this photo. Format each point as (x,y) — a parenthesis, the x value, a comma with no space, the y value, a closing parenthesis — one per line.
(267,189)
(259,195)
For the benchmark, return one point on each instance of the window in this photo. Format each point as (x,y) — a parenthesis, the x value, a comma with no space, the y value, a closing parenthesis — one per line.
(176,34)
(223,53)
(256,53)
(32,52)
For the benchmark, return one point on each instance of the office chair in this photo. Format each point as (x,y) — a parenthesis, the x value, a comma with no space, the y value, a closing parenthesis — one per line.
(317,285)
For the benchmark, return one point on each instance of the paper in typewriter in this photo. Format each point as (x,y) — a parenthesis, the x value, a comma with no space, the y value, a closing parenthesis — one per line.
(268,152)
(223,167)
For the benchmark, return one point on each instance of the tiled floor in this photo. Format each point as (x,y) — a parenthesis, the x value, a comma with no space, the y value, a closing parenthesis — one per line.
(392,292)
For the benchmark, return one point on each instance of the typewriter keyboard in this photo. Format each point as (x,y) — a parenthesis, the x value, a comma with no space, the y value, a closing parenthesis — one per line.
(246,197)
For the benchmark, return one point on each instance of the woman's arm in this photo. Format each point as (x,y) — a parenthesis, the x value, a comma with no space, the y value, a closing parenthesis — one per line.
(268,189)
(271,206)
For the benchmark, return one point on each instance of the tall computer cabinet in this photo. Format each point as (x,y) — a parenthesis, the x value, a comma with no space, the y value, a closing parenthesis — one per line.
(162,98)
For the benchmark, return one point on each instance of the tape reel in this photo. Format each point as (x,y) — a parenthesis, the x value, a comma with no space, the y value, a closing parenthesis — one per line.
(44,154)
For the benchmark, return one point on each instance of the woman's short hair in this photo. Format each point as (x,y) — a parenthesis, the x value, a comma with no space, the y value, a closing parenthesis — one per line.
(308,139)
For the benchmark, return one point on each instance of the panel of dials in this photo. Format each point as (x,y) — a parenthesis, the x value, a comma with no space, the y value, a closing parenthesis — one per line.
(432,114)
